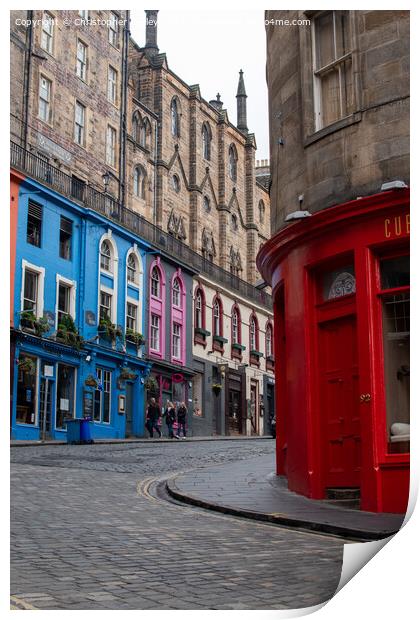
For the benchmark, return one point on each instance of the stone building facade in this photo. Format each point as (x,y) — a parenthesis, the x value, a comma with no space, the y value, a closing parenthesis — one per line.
(109,125)
(338,262)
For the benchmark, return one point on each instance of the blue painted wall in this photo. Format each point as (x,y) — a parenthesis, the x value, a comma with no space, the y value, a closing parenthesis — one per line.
(83,269)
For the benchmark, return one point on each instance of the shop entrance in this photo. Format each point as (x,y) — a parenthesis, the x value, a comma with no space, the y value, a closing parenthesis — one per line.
(339,389)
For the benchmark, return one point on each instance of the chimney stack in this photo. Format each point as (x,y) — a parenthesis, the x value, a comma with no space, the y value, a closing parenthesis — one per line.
(241,97)
(151,32)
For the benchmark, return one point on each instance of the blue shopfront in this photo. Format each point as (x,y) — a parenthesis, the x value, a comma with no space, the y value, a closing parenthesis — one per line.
(78,316)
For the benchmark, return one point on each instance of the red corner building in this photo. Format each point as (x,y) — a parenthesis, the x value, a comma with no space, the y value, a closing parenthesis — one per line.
(338,261)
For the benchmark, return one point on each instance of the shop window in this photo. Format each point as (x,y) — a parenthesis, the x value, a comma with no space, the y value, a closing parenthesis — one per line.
(66,233)
(395,272)
(102,400)
(65,394)
(34,224)
(396,343)
(26,408)
(339,283)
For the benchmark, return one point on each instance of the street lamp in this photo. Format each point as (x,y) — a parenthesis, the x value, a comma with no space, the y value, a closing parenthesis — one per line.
(106,178)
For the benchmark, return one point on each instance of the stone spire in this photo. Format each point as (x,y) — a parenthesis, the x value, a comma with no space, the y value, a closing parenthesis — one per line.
(151,32)
(241,104)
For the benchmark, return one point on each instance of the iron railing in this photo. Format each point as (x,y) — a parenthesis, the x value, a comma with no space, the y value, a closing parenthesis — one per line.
(36,168)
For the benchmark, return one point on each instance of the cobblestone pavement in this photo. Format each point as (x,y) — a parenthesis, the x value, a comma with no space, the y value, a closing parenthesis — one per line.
(89,531)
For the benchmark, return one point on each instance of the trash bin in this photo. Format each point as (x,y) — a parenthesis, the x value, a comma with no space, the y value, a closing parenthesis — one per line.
(73,430)
(85,430)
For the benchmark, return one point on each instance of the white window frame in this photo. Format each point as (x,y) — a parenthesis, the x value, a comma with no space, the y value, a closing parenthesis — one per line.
(107,291)
(111,146)
(81,62)
(84,14)
(110,258)
(40,271)
(47,35)
(112,85)
(176,334)
(157,328)
(71,284)
(177,294)
(101,395)
(318,71)
(79,129)
(113,29)
(135,305)
(47,102)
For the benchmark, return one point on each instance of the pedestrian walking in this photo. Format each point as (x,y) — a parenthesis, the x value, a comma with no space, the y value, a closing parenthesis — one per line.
(152,417)
(170,417)
(182,419)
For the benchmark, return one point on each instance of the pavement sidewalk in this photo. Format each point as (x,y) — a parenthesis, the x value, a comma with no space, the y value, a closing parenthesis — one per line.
(250,488)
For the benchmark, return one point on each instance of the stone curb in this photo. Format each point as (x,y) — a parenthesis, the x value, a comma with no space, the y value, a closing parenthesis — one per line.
(16,443)
(277,518)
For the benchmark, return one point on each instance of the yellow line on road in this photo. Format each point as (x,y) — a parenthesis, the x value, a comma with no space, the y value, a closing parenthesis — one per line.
(17,603)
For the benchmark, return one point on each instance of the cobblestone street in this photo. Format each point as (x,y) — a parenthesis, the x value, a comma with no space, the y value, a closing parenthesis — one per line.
(91,530)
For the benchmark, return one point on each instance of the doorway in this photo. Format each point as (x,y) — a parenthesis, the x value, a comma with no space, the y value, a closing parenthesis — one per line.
(128,409)
(339,390)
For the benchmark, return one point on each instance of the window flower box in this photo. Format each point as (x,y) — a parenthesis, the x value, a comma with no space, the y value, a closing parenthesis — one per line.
(134,337)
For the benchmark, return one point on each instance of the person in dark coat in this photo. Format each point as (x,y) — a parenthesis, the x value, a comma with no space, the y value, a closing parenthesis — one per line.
(182,418)
(152,417)
(170,417)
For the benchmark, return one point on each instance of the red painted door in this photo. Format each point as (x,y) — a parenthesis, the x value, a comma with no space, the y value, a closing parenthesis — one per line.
(339,388)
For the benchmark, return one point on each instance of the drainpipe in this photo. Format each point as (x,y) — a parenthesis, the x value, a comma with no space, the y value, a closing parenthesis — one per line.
(123,113)
(155,175)
(27,77)
(82,269)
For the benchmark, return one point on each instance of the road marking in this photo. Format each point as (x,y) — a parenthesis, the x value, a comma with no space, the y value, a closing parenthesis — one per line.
(143,489)
(18,603)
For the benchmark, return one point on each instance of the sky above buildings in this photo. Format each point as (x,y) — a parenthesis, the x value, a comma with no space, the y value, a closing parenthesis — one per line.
(209,48)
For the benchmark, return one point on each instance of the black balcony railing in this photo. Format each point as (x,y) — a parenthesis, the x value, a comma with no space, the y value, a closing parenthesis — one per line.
(36,168)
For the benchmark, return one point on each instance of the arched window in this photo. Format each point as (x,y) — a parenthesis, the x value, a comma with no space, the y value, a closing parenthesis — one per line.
(139,182)
(176,293)
(146,132)
(206,135)
(176,183)
(106,256)
(132,269)
(233,159)
(236,326)
(155,283)
(199,308)
(175,118)
(234,221)
(261,209)
(253,333)
(206,204)
(269,340)
(136,126)
(217,318)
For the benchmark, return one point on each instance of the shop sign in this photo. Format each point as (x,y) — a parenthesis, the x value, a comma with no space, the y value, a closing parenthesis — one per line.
(397,226)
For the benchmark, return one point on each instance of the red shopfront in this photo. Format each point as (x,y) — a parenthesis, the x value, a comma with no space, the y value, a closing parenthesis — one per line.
(340,282)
